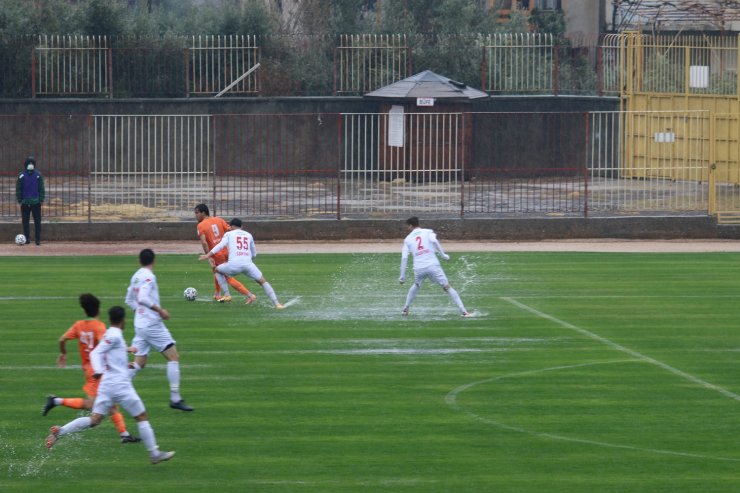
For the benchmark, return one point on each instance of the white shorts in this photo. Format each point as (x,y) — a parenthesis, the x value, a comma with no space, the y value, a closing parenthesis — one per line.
(123,394)
(155,336)
(433,273)
(231,269)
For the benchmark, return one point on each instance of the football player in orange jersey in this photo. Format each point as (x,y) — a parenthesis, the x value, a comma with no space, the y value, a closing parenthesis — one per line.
(88,333)
(210,231)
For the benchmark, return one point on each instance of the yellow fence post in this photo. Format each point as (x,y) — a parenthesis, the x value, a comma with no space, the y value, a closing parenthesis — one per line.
(712,192)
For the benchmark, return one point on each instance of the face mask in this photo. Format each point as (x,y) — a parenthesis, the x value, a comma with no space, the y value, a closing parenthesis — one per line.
(29,167)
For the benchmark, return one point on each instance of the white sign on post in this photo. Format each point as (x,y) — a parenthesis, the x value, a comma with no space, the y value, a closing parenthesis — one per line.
(699,76)
(396,137)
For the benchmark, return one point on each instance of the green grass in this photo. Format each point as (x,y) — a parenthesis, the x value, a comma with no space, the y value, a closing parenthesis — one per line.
(580,373)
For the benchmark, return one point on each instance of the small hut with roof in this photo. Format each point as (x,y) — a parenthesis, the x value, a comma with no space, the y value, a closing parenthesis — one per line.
(423,132)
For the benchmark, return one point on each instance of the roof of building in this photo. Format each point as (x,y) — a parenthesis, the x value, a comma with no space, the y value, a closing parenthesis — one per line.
(686,12)
(427,84)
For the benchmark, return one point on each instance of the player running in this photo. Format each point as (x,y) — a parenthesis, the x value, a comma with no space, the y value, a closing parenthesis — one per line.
(210,231)
(88,333)
(241,253)
(150,332)
(423,245)
(109,360)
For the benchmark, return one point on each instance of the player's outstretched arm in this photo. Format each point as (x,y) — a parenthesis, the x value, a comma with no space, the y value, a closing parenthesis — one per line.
(404,263)
(438,246)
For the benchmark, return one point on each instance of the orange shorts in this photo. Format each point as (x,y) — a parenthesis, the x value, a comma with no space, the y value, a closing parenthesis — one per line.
(221,257)
(91,384)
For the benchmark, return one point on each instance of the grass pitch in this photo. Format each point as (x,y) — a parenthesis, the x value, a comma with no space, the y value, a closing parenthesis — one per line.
(580,373)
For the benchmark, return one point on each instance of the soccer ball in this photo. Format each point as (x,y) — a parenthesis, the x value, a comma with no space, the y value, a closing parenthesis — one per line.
(190,294)
(20,240)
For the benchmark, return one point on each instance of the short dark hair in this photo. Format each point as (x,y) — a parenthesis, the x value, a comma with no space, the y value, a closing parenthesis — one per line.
(90,304)
(29,160)
(236,222)
(146,256)
(202,208)
(413,221)
(116,315)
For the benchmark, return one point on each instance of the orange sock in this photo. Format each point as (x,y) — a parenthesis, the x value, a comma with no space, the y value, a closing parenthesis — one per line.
(117,419)
(215,282)
(74,403)
(238,286)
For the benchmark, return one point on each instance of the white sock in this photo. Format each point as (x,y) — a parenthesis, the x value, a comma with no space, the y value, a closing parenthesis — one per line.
(412,294)
(78,424)
(147,436)
(270,293)
(173,375)
(223,284)
(456,298)
(58,401)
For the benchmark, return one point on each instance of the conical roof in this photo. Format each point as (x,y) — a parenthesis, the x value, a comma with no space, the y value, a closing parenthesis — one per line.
(427,84)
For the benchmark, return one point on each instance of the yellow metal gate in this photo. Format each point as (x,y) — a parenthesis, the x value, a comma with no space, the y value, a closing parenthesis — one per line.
(724,176)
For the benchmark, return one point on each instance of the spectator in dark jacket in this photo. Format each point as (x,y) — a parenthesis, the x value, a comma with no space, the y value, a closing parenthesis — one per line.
(30,193)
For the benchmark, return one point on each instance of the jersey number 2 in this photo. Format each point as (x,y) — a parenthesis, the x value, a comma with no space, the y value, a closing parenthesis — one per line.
(419,243)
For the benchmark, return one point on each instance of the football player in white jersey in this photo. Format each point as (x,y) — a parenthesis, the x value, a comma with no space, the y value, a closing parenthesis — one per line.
(423,246)
(109,360)
(150,332)
(241,252)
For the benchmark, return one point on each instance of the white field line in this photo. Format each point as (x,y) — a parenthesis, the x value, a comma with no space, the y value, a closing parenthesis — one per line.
(451,400)
(619,347)
(292,301)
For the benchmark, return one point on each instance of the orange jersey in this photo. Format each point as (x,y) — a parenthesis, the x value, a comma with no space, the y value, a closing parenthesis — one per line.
(213,228)
(88,333)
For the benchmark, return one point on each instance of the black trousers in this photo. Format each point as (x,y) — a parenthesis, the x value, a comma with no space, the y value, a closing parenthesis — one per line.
(26,211)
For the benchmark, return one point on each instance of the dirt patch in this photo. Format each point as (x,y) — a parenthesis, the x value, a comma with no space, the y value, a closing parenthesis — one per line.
(133,248)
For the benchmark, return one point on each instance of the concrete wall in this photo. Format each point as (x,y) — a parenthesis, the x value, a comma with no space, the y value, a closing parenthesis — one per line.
(519,229)
(205,106)
(584,16)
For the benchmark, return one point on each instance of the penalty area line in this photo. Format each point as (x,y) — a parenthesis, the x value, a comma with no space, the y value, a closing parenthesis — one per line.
(626,350)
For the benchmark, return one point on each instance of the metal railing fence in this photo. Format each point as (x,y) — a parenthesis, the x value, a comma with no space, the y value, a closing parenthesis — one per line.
(680,64)
(218,61)
(612,60)
(60,144)
(329,165)
(366,62)
(149,166)
(290,65)
(518,63)
(527,163)
(276,165)
(401,162)
(71,65)
(649,161)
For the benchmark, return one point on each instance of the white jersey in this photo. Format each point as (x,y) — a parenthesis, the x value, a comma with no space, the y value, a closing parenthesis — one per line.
(142,294)
(110,358)
(241,247)
(422,244)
